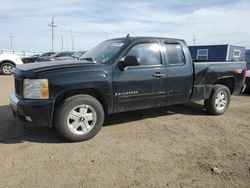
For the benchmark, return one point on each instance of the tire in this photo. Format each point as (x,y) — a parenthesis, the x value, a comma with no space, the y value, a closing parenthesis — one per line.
(73,118)
(6,68)
(219,100)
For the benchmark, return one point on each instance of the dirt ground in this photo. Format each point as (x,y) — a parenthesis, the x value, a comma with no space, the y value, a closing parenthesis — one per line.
(173,146)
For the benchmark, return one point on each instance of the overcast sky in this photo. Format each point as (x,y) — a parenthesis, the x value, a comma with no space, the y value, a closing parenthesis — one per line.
(212,22)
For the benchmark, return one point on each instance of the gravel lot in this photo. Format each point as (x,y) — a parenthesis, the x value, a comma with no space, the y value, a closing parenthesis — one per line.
(174,146)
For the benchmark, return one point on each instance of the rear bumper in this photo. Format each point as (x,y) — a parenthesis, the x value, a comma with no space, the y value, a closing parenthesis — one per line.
(38,112)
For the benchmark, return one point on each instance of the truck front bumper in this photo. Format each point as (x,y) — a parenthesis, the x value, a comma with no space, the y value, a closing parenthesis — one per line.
(38,112)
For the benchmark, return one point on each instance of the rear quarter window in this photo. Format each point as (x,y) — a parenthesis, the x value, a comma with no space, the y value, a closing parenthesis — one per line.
(173,54)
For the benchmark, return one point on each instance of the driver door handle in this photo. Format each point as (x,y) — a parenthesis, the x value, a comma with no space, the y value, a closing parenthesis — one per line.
(158,75)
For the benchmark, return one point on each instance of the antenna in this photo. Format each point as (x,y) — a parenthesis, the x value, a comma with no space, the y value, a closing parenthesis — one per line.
(127,37)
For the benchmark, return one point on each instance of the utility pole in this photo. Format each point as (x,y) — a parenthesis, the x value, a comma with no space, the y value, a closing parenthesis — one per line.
(194,40)
(72,41)
(62,44)
(106,34)
(67,45)
(11,37)
(52,25)
(73,44)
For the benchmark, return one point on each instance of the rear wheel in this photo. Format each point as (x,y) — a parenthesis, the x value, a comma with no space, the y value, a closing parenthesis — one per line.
(219,100)
(79,118)
(6,68)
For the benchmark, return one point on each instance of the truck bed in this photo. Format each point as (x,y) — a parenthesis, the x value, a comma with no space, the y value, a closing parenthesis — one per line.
(206,74)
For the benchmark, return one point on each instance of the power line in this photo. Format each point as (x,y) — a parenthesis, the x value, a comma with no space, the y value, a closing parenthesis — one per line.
(52,25)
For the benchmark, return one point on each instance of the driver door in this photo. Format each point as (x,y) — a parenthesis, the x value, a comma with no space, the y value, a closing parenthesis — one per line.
(142,86)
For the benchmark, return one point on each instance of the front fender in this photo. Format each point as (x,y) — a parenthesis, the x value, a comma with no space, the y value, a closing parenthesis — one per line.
(79,81)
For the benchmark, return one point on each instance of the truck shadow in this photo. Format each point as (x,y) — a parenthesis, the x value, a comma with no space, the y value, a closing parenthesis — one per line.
(193,109)
(12,131)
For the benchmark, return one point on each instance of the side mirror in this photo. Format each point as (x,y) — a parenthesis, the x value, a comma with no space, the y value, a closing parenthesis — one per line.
(131,61)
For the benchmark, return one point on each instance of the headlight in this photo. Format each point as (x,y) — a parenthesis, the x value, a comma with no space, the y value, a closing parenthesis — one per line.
(35,89)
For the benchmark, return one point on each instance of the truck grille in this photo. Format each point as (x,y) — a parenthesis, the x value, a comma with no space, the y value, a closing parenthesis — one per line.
(18,86)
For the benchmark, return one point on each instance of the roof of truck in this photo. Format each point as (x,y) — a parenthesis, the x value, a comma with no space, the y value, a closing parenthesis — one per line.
(141,37)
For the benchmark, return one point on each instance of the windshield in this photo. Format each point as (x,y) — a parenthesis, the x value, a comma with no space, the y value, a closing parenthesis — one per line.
(103,52)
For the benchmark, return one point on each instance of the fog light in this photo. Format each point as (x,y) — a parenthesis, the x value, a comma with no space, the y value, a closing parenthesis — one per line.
(28,118)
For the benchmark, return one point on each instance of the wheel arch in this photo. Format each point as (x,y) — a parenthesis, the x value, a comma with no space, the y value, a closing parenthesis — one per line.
(7,61)
(228,82)
(88,91)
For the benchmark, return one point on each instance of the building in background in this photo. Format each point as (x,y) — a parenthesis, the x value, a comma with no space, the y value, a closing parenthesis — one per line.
(218,52)
(247,58)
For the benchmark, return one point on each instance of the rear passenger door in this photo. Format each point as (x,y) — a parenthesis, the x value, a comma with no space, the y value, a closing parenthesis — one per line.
(179,72)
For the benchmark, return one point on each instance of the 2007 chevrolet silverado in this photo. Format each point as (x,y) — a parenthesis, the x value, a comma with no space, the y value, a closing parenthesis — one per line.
(120,75)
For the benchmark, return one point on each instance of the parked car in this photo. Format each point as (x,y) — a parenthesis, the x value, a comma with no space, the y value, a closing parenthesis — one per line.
(31,59)
(75,55)
(78,54)
(36,57)
(55,56)
(247,59)
(120,75)
(248,81)
(7,62)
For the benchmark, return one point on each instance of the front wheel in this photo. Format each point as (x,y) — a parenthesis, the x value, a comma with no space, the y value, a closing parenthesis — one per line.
(6,68)
(79,118)
(219,100)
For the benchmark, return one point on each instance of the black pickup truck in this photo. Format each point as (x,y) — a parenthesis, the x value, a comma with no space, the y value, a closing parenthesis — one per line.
(120,75)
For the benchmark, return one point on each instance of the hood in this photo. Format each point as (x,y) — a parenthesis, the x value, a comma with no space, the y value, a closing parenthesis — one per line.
(31,70)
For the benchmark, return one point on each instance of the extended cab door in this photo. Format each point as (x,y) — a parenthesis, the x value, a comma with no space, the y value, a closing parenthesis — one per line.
(179,72)
(142,86)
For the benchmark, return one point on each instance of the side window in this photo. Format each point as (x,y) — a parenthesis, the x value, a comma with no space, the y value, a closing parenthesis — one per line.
(237,53)
(148,53)
(174,54)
